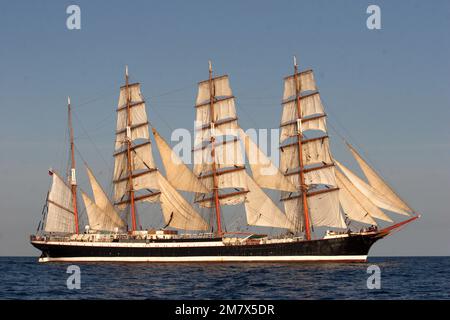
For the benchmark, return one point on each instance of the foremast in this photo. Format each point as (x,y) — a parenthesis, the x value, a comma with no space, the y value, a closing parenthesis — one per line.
(129,160)
(213,152)
(305,157)
(303,186)
(73,179)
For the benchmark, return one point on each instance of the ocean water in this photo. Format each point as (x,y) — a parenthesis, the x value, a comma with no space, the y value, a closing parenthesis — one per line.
(401,278)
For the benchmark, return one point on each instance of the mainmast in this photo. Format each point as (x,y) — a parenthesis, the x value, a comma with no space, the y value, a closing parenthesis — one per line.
(304,187)
(129,159)
(73,179)
(214,171)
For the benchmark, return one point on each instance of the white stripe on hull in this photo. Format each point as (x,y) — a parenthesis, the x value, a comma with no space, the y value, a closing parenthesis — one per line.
(343,258)
(134,244)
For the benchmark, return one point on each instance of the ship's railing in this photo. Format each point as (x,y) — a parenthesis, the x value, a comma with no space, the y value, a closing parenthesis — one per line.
(89,237)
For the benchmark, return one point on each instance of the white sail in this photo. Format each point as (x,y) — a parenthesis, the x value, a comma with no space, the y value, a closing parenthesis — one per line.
(305,80)
(264,172)
(97,218)
(136,132)
(321,175)
(216,130)
(138,115)
(378,183)
(293,208)
(370,192)
(221,86)
(223,109)
(178,213)
(144,180)
(109,219)
(290,128)
(324,210)
(178,174)
(310,105)
(355,204)
(141,158)
(60,216)
(315,151)
(226,179)
(260,209)
(227,154)
(222,128)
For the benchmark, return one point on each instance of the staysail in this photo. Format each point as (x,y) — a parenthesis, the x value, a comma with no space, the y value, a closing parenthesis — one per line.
(178,212)
(305,161)
(378,183)
(356,205)
(264,172)
(368,191)
(101,213)
(261,211)
(178,174)
(60,216)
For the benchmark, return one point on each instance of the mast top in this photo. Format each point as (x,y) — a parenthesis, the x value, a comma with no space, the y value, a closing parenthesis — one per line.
(210,65)
(126,70)
(68,100)
(295,61)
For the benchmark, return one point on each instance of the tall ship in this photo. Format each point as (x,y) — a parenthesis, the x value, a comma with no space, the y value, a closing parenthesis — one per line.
(309,208)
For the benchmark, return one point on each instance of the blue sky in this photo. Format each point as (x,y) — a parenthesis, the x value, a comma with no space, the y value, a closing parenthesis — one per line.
(387,90)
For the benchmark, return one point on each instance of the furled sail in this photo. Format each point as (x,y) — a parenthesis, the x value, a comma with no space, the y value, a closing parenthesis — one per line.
(264,172)
(132,127)
(355,205)
(178,174)
(60,216)
(378,183)
(178,213)
(260,209)
(102,214)
(372,194)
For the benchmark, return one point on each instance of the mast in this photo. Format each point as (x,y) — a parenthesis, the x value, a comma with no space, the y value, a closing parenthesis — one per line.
(129,160)
(304,187)
(214,171)
(73,180)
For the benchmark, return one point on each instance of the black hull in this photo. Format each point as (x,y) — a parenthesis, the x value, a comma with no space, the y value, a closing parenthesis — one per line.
(352,248)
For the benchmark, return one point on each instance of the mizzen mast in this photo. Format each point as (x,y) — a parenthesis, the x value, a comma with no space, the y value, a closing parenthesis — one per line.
(73,179)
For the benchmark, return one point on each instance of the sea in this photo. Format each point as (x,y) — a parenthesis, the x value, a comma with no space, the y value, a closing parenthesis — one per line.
(379,278)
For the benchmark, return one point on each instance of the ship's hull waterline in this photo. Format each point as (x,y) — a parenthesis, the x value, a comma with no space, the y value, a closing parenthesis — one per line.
(354,248)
